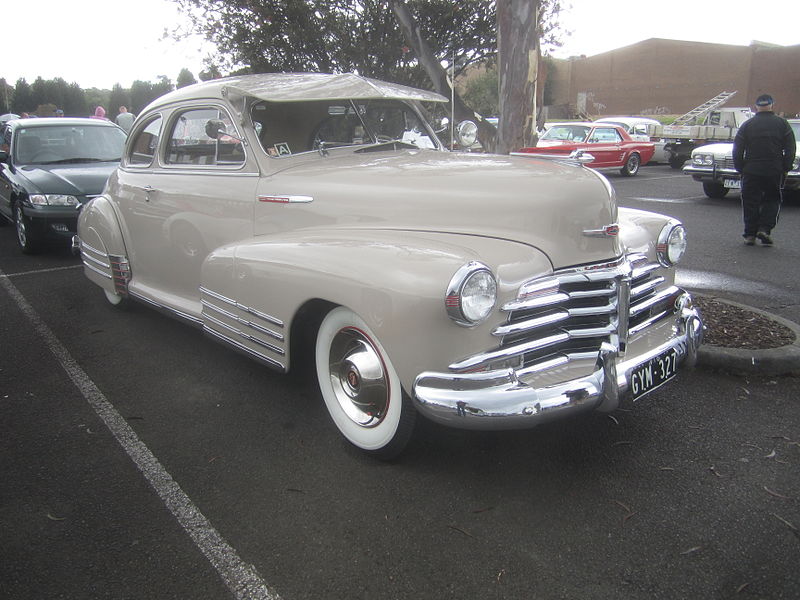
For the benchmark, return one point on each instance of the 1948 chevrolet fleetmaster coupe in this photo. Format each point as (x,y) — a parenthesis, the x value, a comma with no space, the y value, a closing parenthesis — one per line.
(313,217)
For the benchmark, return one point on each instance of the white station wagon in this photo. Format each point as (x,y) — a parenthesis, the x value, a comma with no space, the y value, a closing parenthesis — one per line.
(314,217)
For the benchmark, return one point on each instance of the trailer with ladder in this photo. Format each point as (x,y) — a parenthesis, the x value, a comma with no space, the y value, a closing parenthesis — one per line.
(704,124)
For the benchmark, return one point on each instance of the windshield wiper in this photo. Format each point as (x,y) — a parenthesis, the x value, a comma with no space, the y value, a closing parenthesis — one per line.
(79,159)
(389,145)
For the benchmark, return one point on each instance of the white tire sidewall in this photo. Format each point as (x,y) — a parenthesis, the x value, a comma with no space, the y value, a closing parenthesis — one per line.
(367,438)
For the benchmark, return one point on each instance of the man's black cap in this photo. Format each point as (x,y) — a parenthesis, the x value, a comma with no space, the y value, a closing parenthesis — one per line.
(764,100)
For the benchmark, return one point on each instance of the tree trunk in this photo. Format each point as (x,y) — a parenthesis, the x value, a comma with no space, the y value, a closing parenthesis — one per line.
(518,70)
(438,74)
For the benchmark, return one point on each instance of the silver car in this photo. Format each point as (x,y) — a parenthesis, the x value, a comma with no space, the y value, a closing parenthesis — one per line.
(317,218)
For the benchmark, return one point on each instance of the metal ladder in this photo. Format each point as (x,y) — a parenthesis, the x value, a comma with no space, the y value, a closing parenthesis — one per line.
(707,106)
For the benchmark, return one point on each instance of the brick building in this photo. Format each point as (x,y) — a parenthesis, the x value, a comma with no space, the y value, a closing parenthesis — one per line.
(660,76)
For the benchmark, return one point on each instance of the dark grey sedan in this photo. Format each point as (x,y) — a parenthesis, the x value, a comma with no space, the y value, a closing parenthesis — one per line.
(48,169)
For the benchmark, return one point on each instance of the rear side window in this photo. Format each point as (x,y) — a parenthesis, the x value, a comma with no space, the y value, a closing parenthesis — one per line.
(145,143)
(194,140)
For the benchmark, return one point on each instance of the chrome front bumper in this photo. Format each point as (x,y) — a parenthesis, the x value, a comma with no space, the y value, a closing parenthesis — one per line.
(499,400)
(710,173)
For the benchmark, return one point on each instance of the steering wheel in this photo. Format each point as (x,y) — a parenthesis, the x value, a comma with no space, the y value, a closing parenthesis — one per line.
(44,156)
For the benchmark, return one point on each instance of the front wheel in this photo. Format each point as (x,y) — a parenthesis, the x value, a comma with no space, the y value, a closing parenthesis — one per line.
(26,239)
(631,167)
(714,190)
(360,386)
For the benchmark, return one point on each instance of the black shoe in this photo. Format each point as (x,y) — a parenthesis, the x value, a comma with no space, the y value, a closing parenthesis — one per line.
(765,238)
(749,240)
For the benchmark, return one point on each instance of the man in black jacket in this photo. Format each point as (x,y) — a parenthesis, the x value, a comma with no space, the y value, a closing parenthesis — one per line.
(763,152)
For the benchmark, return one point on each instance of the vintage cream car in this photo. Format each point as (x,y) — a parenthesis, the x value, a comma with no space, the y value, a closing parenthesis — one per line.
(712,165)
(313,217)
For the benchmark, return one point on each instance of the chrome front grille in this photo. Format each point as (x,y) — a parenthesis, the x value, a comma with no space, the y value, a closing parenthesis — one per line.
(568,315)
(724,163)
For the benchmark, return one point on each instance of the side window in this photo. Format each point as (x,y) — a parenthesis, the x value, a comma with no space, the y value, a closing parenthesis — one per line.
(145,145)
(191,141)
(603,135)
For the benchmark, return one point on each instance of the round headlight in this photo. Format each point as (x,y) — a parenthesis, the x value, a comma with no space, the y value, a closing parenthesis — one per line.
(671,244)
(466,133)
(471,295)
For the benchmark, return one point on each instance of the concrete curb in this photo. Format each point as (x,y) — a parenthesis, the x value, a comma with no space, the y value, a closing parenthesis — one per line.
(783,360)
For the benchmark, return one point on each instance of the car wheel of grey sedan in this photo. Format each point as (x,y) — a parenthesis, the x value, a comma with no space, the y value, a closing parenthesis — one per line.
(25,238)
(715,190)
(631,167)
(360,386)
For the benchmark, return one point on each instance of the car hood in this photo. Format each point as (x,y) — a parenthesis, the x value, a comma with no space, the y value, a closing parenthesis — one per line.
(721,149)
(74,179)
(546,204)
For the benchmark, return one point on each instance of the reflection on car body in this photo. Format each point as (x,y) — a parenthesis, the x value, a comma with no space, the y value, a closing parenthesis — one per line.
(317,218)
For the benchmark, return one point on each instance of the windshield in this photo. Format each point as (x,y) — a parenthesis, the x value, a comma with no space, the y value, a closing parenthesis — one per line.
(67,143)
(566,133)
(286,128)
(796,129)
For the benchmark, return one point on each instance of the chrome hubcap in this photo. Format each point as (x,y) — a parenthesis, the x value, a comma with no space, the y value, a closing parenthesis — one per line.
(358,377)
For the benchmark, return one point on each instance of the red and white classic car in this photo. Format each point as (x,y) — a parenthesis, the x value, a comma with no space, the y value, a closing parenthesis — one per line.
(601,145)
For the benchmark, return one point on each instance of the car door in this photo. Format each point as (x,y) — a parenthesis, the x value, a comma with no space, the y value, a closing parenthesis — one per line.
(5,173)
(196,195)
(605,146)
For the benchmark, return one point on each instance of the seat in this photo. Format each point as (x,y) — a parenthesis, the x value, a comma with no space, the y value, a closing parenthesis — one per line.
(27,147)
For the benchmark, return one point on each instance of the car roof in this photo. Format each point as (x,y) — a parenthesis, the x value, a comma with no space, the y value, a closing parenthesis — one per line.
(293,87)
(626,120)
(62,121)
(567,123)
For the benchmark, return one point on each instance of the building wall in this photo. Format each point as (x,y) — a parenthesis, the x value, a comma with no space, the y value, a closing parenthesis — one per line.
(660,76)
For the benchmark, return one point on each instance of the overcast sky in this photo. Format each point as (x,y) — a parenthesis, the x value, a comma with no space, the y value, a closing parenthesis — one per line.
(98,43)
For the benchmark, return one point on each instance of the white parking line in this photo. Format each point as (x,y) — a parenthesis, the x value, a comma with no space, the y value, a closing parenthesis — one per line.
(241,578)
(37,271)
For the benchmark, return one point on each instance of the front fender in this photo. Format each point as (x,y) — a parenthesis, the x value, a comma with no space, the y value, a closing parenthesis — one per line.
(396,281)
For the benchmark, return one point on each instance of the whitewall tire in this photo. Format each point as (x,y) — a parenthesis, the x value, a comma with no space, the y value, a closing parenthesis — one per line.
(360,386)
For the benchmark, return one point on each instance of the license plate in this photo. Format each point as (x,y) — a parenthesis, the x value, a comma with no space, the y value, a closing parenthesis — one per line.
(653,373)
(732,184)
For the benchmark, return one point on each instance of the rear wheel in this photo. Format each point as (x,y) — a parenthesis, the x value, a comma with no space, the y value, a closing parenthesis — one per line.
(632,165)
(360,386)
(26,238)
(117,300)
(714,190)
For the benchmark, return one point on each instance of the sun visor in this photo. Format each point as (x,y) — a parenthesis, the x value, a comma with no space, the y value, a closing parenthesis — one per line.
(298,87)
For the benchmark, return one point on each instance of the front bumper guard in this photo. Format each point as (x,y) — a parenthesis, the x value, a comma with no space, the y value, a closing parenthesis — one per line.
(498,400)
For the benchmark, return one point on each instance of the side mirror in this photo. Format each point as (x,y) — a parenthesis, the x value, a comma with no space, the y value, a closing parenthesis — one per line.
(215,129)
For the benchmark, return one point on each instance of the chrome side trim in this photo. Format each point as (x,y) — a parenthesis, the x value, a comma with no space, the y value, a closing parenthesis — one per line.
(285,199)
(96,270)
(270,362)
(167,309)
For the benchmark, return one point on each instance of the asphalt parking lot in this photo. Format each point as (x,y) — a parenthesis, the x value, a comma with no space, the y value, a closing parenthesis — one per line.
(141,460)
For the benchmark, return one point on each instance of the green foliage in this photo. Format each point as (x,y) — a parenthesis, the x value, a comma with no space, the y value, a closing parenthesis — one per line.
(185,78)
(337,36)
(481,93)
(44,96)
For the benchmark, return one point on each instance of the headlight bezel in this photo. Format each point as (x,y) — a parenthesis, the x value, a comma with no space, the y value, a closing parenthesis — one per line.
(471,281)
(702,159)
(672,243)
(53,200)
